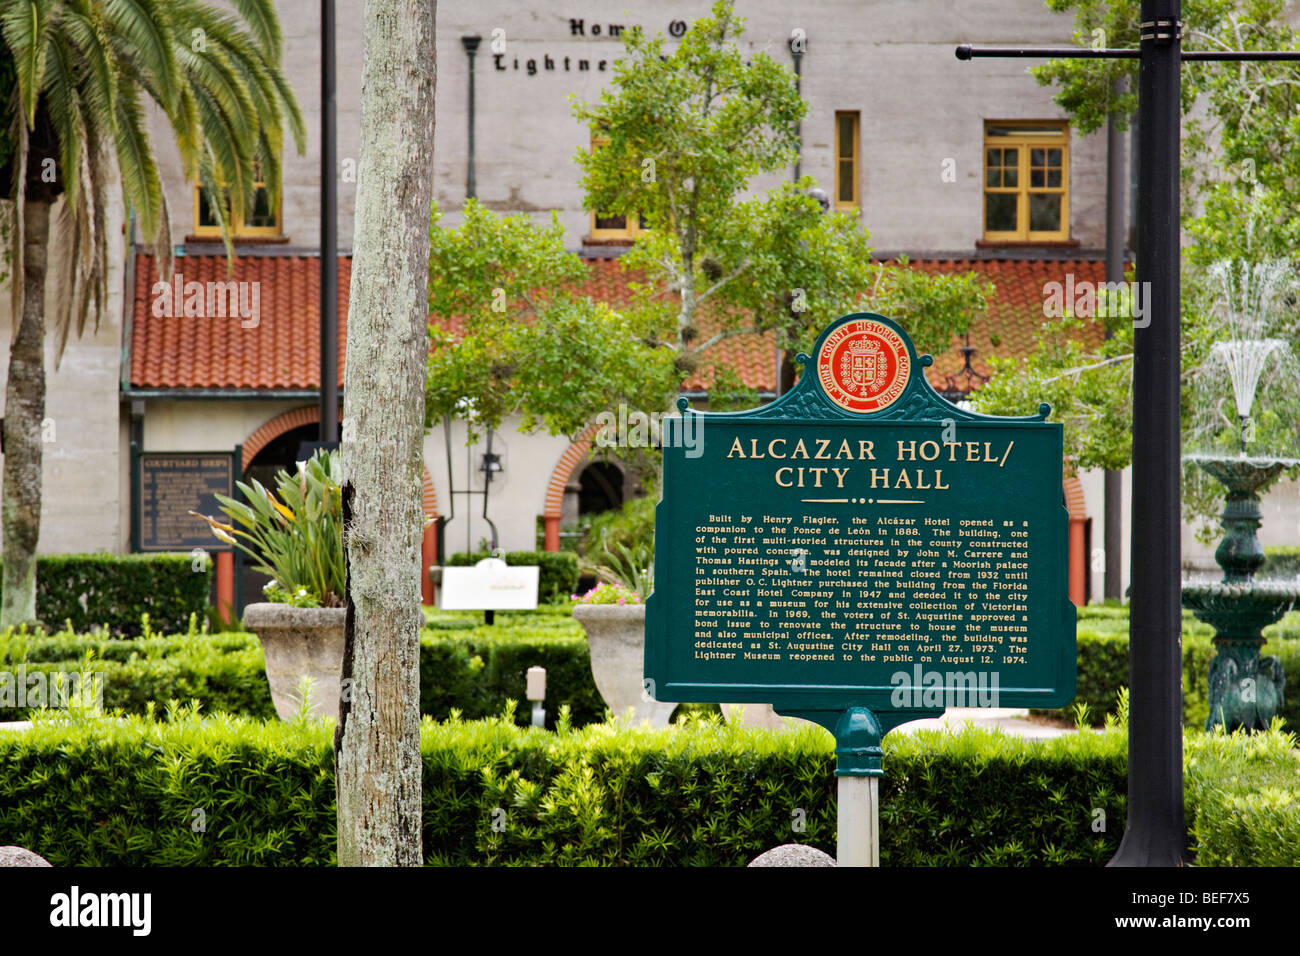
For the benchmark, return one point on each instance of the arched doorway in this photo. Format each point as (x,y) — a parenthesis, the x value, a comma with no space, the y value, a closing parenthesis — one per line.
(558,486)
(280,452)
(600,488)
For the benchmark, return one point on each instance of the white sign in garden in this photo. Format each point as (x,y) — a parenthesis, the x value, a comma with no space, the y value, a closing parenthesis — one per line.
(491,585)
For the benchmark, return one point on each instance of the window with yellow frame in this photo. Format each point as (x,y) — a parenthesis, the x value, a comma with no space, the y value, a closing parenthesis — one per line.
(847,195)
(614,225)
(1026,181)
(260,221)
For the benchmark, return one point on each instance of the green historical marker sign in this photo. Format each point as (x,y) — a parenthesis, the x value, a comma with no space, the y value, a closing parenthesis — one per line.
(861,552)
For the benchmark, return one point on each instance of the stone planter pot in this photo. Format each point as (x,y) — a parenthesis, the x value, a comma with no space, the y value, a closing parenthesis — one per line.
(616,641)
(300,642)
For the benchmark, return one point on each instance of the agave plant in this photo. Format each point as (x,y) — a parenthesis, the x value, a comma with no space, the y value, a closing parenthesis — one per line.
(297,537)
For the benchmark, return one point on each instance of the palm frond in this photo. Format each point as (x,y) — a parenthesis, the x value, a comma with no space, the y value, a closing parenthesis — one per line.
(140,183)
(90,65)
(145,29)
(264,24)
(27,26)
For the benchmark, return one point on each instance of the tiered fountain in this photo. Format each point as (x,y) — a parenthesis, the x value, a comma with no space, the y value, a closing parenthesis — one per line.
(1245,690)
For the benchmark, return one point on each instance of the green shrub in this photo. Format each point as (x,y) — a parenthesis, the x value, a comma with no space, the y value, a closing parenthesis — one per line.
(464,665)
(1244,798)
(632,526)
(1103,664)
(1281,561)
(557,574)
(223,673)
(476,669)
(1287,629)
(1101,657)
(109,793)
(700,794)
(113,590)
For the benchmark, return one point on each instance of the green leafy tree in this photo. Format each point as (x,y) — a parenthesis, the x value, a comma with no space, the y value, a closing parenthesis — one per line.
(681,136)
(83,73)
(685,133)
(1242,136)
(512,335)
(1090,391)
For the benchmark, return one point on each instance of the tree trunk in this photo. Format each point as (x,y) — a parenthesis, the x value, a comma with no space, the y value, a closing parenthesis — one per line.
(377,741)
(24,412)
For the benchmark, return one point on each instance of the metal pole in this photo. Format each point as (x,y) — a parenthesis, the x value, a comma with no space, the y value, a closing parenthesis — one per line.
(1156,833)
(237,611)
(137,446)
(1114,480)
(796,53)
(471,47)
(857,835)
(329,263)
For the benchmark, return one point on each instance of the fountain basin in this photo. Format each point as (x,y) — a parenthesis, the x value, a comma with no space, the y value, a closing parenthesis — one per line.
(1240,610)
(1245,690)
(1242,474)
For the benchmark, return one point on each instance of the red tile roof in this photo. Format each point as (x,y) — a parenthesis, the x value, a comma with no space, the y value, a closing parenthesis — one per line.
(281,353)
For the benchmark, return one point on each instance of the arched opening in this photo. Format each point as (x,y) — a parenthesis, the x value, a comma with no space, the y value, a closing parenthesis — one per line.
(558,487)
(600,488)
(280,453)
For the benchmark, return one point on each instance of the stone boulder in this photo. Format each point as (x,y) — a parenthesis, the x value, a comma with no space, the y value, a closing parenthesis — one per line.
(17,856)
(793,854)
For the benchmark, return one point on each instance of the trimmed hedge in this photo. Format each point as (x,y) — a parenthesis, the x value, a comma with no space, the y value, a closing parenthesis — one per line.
(112,591)
(464,666)
(474,668)
(1103,666)
(557,575)
(134,792)
(225,672)
(1246,793)
(1281,561)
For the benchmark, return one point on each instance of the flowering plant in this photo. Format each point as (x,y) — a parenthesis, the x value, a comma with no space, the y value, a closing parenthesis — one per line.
(297,537)
(630,568)
(605,593)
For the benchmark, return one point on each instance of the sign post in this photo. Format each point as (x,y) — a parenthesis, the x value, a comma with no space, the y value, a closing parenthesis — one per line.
(861,553)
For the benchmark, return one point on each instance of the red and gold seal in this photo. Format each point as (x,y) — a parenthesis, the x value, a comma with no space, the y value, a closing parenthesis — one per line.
(864,366)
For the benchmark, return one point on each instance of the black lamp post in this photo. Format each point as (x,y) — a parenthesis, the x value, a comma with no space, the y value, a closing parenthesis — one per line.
(471,48)
(329,263)
(797,43)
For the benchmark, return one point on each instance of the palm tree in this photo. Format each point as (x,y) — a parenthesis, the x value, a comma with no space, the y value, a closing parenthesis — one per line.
(81,74)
